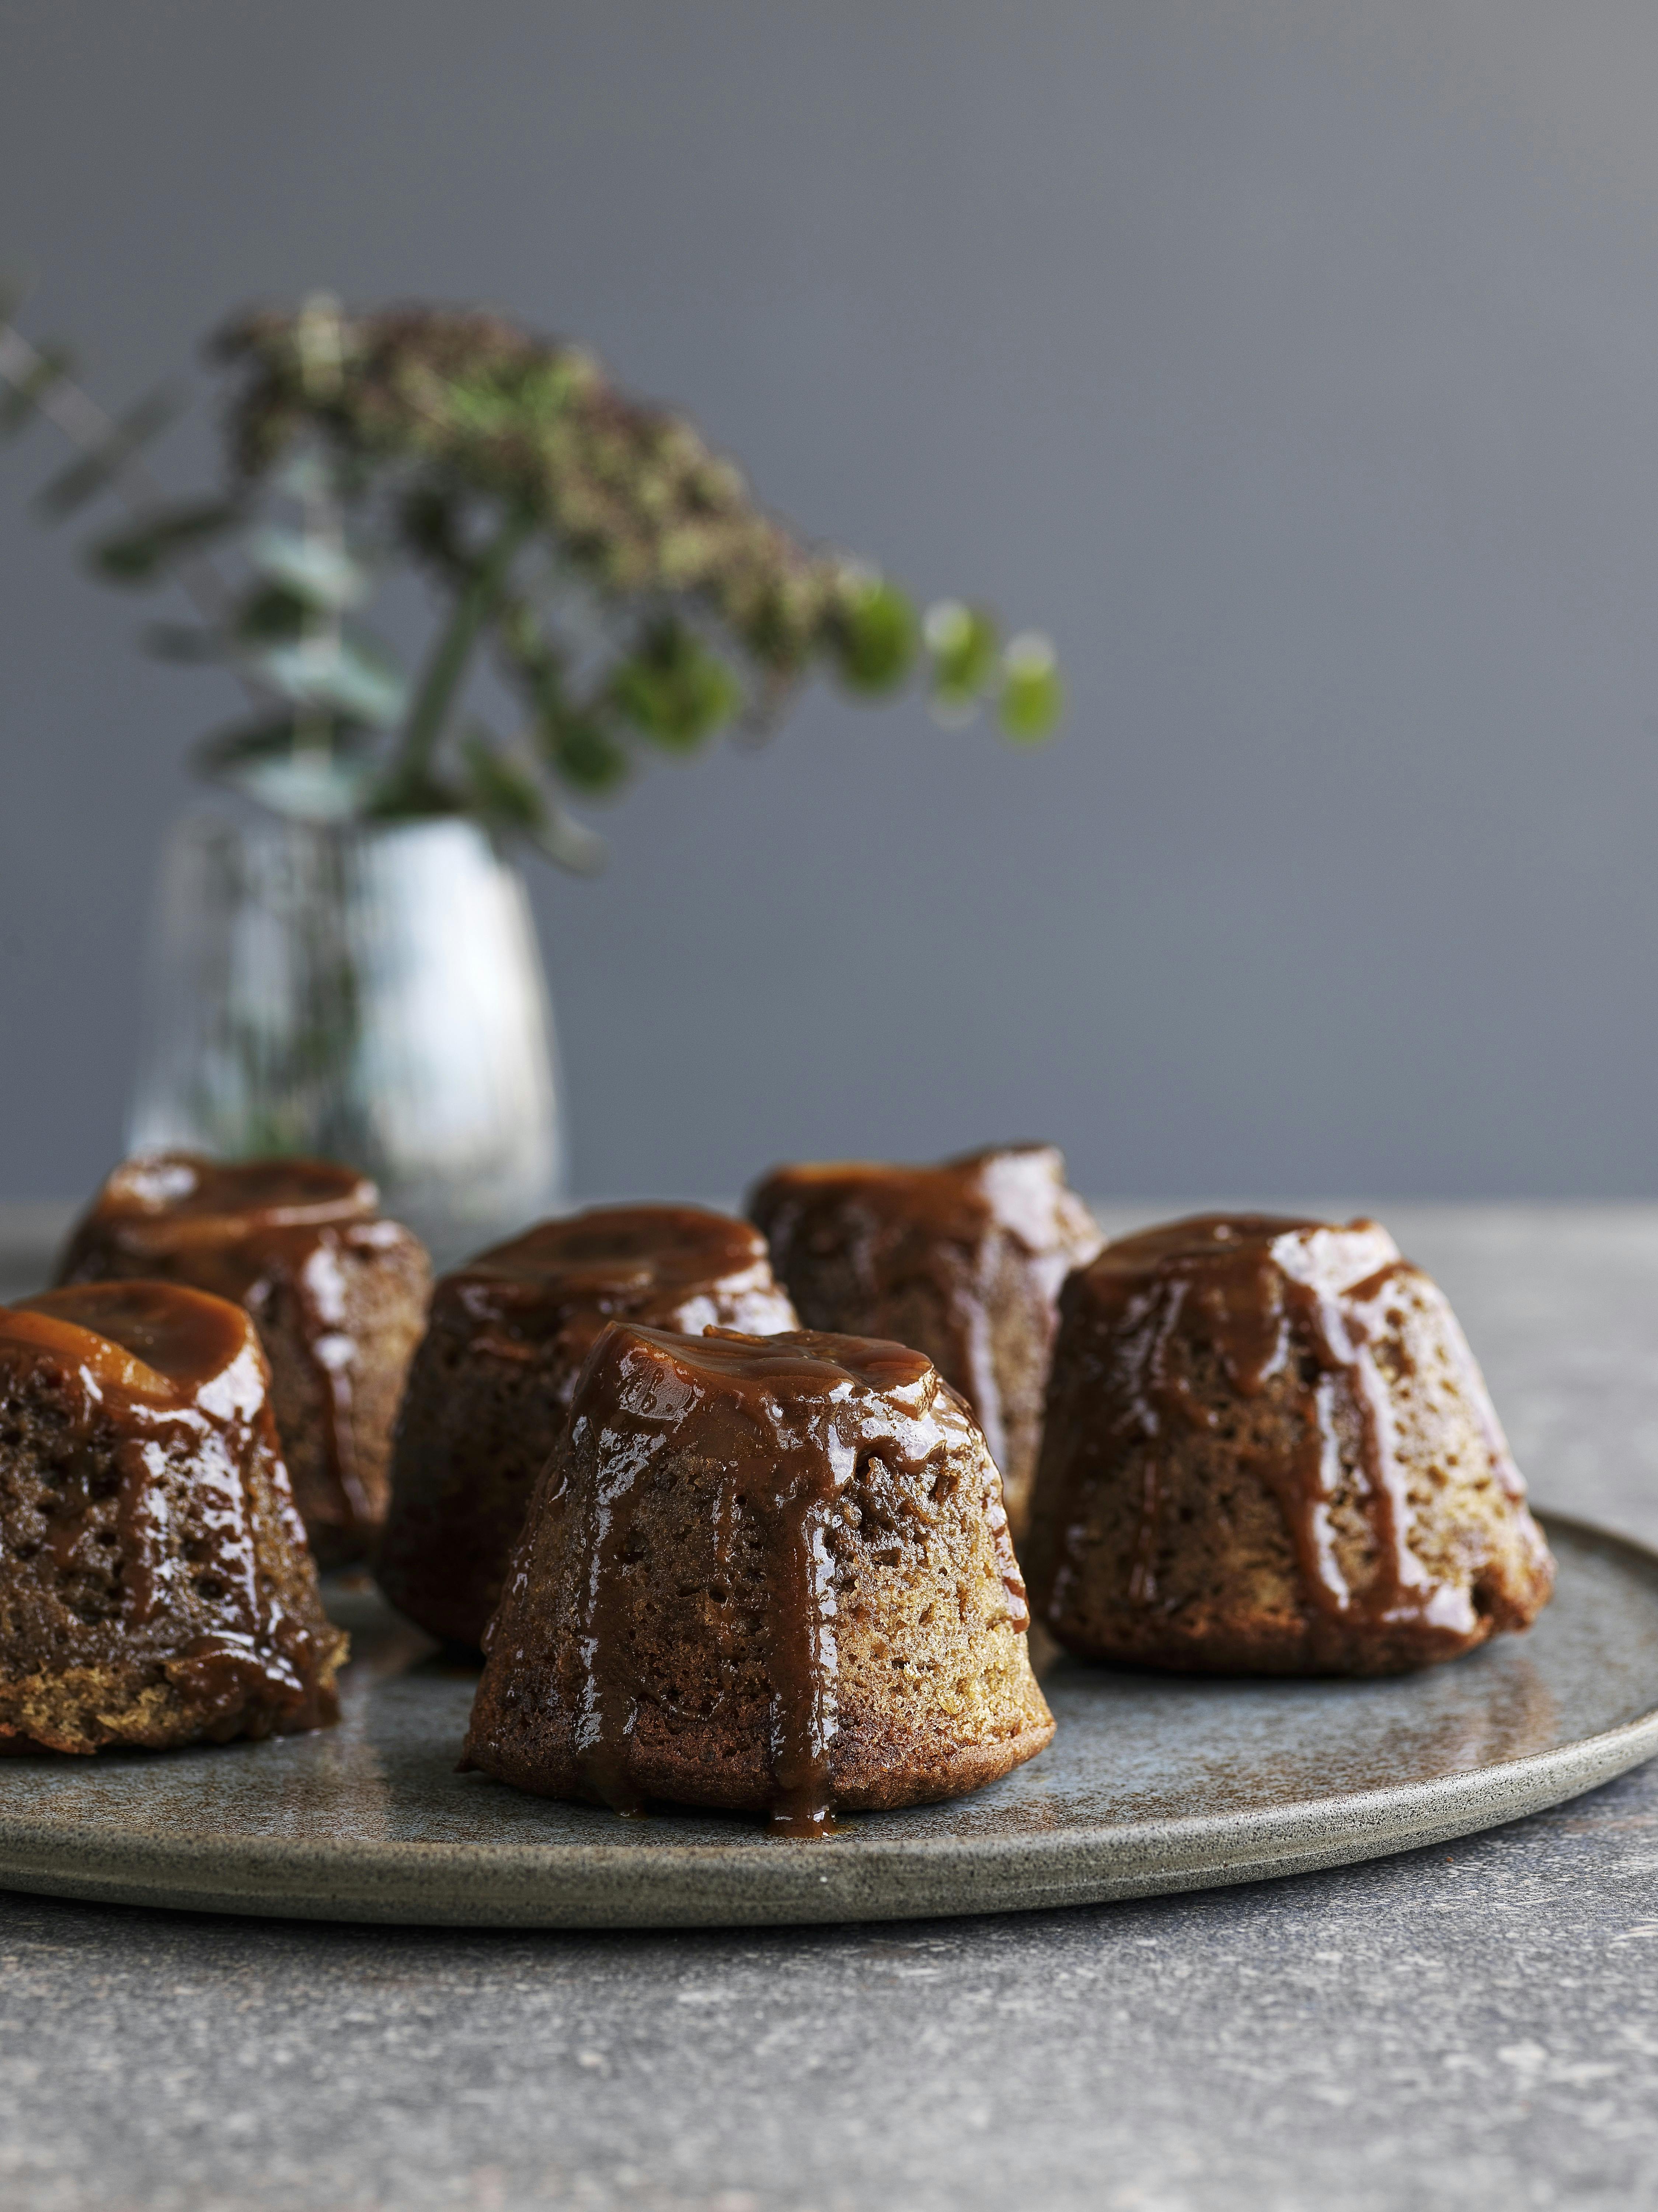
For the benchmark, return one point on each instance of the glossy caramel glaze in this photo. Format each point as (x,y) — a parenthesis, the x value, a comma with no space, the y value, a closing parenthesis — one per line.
(779,1430)
(160,1203)
(287,1233)
(168,1537)
(678,1261)
(964,1261)
(147,1344)
(1306,1314)
(491,1383)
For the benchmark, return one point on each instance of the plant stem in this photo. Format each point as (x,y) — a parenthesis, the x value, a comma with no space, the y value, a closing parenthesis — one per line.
(322,630)
(317,334)
(453,649)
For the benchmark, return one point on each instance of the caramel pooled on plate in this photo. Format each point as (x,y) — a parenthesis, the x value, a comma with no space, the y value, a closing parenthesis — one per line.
(1268,1449)
(337,1294)
(963,1261)
(155,1584)
(764,1573)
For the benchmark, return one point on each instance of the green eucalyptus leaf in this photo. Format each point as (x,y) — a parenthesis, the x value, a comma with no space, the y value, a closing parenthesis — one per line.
(267,737)
(1033,693)
(673,690)
(580,749)
(350,675)
(271,615)
(503,792)
(317,768)
(83,479)
(962,641)
(300,671)
(139,554)
(571,843)
(20,403)
(377,670)
(324,575)
(874,635)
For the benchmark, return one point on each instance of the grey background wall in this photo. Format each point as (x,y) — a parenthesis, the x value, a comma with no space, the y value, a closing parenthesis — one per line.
(1295,365)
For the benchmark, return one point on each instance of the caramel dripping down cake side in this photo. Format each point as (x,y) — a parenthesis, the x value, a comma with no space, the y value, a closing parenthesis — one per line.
(156,1587)
(491,1383)
(965,1261)
(1268,1449)
(338,1294)
(766,1574)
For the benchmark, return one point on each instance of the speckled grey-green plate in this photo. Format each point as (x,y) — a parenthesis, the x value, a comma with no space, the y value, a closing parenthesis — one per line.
(1153,1783)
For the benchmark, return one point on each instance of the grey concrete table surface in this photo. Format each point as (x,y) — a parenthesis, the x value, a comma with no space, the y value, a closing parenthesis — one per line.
(1461,2026)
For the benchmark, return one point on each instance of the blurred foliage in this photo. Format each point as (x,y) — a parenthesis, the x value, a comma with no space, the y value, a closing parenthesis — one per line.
(630,589)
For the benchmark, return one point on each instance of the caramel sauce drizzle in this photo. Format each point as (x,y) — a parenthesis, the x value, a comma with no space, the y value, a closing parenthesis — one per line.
(790,1419)
(668,1262)
(1279,1300)
(933,1225)
(177,1371)
(237,1229)
(549,1295)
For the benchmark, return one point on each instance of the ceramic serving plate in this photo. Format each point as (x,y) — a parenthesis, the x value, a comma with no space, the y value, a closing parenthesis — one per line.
(1152,1783)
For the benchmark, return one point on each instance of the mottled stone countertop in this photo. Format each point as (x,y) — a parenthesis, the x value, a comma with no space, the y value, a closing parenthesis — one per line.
(1472,2026)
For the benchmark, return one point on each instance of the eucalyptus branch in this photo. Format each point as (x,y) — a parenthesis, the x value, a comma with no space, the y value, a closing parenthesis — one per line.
(672,607)
(411,764)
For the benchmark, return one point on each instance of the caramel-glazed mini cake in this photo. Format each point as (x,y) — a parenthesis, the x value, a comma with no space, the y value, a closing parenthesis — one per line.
(337,1294)
(770,1574)
(965,1261)
(154,1585)
(492,1381)
(1268,1449)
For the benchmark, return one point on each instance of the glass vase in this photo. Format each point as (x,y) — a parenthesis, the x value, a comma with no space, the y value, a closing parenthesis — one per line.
(362,993)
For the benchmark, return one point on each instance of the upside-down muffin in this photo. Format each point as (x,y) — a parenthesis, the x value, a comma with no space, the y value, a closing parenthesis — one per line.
(770,1574)
(1268,1449)
(155,1587)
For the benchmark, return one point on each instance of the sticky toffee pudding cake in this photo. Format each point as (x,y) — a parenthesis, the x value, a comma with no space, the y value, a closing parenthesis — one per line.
(337,1294)
(963,1261)
(491,1383)
(768,1574)
(155,1587)
(1268,1449)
